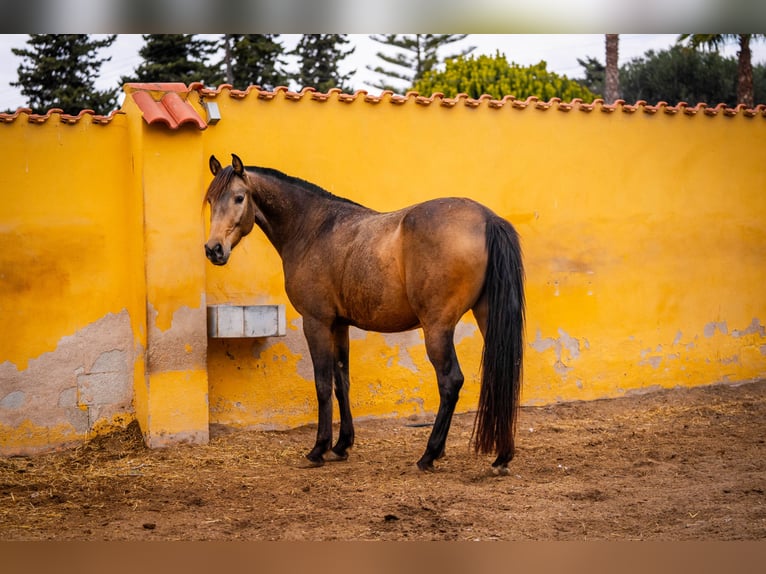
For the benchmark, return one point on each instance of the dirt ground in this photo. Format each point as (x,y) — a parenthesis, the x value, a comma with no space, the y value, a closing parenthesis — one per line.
(683,464)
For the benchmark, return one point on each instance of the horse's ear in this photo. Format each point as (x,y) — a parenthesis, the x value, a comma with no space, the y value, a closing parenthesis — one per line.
(215,165)
(236,164)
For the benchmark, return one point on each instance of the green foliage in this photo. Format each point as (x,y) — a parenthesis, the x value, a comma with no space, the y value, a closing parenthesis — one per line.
(680,74)
(59,71)
(254,59)
(415,55)
(595,75)
(319,58)
(495,76)
(745,72)
(176,58)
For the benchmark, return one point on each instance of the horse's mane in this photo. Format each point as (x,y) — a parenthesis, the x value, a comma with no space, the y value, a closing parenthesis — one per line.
(221,182)
(312,188)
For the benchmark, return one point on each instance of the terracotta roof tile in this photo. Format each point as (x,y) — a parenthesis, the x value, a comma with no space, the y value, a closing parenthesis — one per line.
(388,96)
(165,104)
(58,114)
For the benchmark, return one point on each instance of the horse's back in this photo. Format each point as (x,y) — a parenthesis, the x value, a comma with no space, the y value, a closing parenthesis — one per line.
(445,256)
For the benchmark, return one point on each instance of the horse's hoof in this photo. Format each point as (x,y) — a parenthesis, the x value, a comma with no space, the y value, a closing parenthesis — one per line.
(501,470)
(332,456)
(313,462)
(425,466)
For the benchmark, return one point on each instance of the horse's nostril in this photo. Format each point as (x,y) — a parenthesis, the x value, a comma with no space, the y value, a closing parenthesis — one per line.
(215,252)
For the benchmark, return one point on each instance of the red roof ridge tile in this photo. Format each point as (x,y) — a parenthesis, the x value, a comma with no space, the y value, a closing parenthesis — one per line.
(60,115)
(485,99)
(167,103)
(171,109)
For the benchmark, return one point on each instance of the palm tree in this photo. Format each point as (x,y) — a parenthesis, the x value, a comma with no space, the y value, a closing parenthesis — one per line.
(744,64)
(612,71)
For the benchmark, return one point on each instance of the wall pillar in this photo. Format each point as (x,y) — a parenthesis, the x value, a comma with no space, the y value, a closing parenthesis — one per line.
(172,404)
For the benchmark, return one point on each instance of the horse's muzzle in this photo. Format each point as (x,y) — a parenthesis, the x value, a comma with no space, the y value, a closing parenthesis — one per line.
(216,254)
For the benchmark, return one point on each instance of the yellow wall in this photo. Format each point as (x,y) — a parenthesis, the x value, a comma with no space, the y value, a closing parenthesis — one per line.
(71,297)
(642,233)
(172,400)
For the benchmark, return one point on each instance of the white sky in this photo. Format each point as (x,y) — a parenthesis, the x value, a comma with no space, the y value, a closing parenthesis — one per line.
(560,51)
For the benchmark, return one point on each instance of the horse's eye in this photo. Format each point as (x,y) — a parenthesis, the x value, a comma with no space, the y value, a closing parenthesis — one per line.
(239,199)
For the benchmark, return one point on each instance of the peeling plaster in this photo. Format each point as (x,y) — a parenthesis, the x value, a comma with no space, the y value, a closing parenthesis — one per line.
(655,357)
(755,327)
(296,342)
(464,330)
(183,345)
(86,380)
(403,341)
(711,327)
(565,342)
(13,400)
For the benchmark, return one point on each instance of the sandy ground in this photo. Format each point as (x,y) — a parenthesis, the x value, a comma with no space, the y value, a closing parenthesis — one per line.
(683,464)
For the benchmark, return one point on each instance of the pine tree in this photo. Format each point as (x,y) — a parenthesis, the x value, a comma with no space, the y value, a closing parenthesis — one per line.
(176,58)
(319,57)
(254,59)
(595,74)
(416,55)
(59,71)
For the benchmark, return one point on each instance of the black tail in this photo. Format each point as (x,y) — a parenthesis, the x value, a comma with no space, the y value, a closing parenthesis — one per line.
(495,425)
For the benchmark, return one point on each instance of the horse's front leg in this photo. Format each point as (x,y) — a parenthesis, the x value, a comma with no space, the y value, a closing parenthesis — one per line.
(321,346)
(342,384)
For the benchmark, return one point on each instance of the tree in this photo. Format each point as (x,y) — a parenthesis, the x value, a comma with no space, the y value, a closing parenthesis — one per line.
(60,70)
(176,58)
(319,58)
(254,59)
(744,63)
(612,70)
(416,55)
(495,76)
(680,74)
(595,73)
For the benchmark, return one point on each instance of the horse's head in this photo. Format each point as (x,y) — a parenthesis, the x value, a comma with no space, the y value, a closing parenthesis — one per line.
(232,212)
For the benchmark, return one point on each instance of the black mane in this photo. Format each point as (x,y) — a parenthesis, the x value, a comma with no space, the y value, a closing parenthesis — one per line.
(298,182)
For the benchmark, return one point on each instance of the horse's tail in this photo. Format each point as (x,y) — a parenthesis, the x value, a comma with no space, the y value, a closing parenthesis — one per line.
(495,424)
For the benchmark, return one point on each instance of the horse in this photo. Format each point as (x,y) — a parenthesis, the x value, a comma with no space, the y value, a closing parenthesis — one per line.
(423,266)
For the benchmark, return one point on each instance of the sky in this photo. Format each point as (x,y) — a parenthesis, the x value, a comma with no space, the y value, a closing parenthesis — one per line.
(560,51)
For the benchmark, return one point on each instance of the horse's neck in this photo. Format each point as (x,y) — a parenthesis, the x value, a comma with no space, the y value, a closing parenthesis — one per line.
(290,216)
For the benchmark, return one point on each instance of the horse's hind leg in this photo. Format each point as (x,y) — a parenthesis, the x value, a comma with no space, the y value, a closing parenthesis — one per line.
(342,384)
(441,352)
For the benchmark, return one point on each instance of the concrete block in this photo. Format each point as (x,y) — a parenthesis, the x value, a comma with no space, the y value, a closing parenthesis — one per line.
(101,388)
(230,321)
(13,400)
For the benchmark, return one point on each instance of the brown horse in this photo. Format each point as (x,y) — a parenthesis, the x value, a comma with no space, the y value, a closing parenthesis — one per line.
(422,266)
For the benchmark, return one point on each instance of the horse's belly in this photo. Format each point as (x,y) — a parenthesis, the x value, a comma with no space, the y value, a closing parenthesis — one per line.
(384,322)
(377,308)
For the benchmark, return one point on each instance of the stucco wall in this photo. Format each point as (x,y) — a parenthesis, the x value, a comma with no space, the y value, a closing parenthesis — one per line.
(641,228)
(70,281)
(642,233)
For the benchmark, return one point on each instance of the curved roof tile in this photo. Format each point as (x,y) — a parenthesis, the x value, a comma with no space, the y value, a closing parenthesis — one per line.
(485,99)
(166,103)
(163,104)
(60,115)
